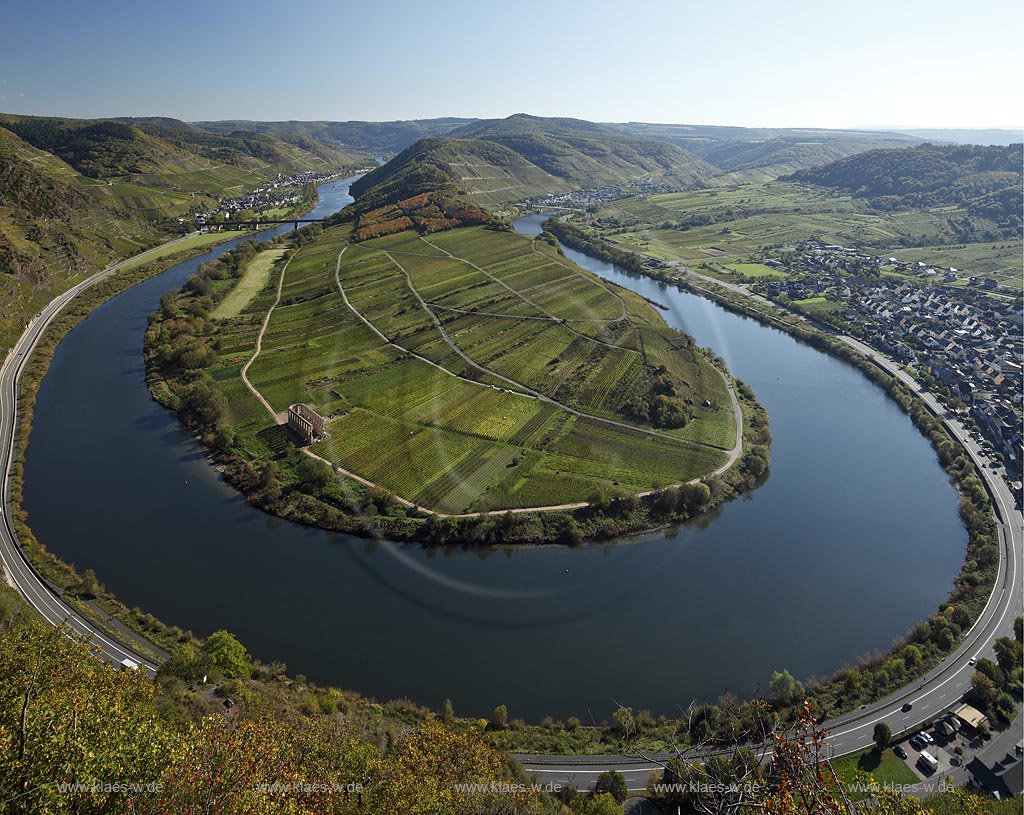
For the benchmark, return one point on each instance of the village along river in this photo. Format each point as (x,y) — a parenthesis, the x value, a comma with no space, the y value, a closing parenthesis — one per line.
(852,539)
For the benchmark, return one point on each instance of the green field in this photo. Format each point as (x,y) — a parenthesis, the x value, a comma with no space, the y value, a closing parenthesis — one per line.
(886,768)
(254,279)
(191,242)
(509,376)
(730,224)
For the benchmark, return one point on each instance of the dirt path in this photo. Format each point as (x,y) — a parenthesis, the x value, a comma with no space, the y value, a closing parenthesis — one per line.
(283,416)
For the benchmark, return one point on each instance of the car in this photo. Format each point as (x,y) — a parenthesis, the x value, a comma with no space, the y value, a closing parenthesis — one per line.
(900,751)
(916,742)
(925,737)
(972,660)
(907,707)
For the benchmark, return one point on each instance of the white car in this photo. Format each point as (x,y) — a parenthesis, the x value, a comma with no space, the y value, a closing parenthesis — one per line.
(926,738)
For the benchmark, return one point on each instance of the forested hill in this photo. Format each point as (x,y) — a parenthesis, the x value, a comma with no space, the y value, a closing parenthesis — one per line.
(753,154)
(984,181)
(440,183)
(589,154)
(378,138)
(443,183)
(105,148)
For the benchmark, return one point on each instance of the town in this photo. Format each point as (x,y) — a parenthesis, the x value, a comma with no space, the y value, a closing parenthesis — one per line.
(283,191)
(962,342)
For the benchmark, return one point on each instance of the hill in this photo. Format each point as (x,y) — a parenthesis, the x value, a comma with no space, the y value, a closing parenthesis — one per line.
(588,154)
(377,138)
(450,173)
(170,153)
(983,181)
(969,135)
(78,194)
(748,154)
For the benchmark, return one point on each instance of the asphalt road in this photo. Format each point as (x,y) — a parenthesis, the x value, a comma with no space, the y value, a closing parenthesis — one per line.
(42,596)
(930,695)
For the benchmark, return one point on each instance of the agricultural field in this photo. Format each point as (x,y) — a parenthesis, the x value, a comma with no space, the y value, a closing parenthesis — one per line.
(1003,260)
(254,278)
(470,371)
(730,224)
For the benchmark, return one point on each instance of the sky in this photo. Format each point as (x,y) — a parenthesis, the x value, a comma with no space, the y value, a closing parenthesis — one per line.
(789,63)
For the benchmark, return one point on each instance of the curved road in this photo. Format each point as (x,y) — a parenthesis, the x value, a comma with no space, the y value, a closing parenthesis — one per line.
(18,571)
(930,695)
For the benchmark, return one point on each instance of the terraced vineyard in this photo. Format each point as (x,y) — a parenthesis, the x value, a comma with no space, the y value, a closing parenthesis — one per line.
(473,371)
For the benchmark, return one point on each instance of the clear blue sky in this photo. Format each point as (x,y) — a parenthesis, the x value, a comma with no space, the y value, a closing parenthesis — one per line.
(913,63)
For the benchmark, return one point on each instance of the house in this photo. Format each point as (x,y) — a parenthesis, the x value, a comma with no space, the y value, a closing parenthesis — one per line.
(1003,778)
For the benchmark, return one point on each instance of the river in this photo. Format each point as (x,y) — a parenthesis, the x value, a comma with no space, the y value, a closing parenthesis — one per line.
(852,539)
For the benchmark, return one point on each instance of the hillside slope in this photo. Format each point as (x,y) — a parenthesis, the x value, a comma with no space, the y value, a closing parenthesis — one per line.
(377,138)
(588,154)
(168,153)
(78,194)
(984,181)
(747,154)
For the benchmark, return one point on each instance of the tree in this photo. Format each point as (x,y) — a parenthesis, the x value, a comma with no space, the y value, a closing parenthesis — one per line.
(613,783)
(882,736)
(447,712)
(625,724)
(1018,629)
(992,671)
(313,473)
(228,654)
(90,586)
(784,689)
(499,719)
(1008,655)
(983,691)
(602,804)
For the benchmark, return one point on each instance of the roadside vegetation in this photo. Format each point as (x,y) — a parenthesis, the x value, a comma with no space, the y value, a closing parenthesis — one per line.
(220,732)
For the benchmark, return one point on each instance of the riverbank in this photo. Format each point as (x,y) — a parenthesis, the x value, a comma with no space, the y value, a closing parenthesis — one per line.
(82,591)
(931,640)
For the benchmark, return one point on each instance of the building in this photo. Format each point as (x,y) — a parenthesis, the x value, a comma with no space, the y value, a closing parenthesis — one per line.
(971,717)
(306,422)
(1003,778)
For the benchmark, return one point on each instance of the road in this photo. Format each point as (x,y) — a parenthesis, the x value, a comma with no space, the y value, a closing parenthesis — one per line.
(41,595)
(929,695)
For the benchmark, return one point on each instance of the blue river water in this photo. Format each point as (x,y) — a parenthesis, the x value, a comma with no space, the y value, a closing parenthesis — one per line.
(852,539)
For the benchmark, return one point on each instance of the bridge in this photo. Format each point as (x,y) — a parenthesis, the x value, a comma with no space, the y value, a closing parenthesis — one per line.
(257,223)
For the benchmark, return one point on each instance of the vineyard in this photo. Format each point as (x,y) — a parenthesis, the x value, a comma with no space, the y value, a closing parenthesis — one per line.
(470,371)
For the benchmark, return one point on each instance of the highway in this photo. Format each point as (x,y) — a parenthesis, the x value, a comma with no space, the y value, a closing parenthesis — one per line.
(42,596)
(929,695)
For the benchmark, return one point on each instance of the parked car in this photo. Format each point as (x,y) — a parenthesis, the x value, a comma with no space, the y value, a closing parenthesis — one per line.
(926,737)
(917,742)
(900,751)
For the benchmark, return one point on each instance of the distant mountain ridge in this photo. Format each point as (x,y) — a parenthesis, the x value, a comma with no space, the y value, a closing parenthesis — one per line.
(589,154)
(105,148)
(752,154)
(376,138)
